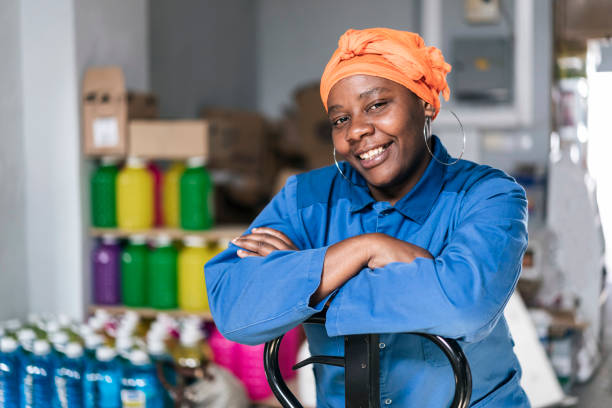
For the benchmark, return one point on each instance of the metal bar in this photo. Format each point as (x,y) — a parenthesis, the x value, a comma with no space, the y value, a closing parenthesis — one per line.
(275,379)
(362,371)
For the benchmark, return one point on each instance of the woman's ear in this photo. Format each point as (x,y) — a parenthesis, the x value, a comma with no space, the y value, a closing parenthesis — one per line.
(429,109)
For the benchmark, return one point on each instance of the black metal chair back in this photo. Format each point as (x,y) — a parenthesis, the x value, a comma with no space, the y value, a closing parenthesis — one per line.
(361,364)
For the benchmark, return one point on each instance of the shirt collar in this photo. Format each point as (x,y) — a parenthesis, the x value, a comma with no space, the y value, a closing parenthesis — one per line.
(417,203)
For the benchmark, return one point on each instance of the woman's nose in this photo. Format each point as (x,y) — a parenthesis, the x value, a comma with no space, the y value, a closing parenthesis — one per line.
(359,128)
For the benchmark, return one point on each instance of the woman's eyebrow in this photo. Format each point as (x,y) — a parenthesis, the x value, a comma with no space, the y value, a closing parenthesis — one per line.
(334,107)
(372,91)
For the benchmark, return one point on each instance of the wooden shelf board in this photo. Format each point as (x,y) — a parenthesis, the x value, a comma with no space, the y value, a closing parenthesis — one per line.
(149,313)
(217,233)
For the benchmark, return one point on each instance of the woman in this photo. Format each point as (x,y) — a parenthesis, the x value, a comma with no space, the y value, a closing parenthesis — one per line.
(392,240)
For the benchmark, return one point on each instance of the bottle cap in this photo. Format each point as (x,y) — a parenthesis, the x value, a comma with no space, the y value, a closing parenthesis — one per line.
(109,160)
(156,347)
(124,343)
(198,161)
(93,341)
(105,353)
(41,347)
(194,241)
(59,338)
(52,326)
(85,330)
(109,239)
(25,335)
(190,336)
(139,357)
(162,240)
(135,162)
(73,350)
(138,239)
(8,345)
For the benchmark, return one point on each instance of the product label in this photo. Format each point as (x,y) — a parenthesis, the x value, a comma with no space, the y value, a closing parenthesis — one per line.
(133,399)
(106,132)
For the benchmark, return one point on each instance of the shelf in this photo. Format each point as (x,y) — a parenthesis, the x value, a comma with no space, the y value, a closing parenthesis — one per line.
(214,234)
(149,313)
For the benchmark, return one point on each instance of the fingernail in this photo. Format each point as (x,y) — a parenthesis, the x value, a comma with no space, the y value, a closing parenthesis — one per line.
(234,239)
(254,229)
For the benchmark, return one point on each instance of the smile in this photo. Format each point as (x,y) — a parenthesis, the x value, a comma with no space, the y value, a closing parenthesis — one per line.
(374,153)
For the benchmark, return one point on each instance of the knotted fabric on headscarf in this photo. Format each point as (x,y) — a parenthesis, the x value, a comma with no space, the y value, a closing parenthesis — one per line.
(400,56)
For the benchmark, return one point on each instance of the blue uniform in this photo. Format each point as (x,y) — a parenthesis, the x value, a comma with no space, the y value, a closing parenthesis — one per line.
(471,218)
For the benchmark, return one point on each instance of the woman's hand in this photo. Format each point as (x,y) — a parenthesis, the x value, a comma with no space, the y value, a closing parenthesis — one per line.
(384,249)
(263,241)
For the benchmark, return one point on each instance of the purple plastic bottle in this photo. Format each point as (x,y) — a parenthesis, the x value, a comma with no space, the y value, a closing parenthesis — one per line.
(106,276)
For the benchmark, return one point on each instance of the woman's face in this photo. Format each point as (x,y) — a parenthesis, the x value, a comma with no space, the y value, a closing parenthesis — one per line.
(377,125)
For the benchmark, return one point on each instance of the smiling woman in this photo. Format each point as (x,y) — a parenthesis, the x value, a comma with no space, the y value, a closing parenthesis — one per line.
(389,242)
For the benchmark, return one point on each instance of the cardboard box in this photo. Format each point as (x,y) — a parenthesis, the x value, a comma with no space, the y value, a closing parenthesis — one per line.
(313,127)
(176,139)
(248,154)
(107,107)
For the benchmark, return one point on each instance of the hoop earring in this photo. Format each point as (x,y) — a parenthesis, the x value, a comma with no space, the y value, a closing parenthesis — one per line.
(427,135)
(339,169)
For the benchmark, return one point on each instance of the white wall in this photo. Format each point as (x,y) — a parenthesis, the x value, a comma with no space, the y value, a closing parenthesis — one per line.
(50,129)
(295,39)
(58,41)
(13,273)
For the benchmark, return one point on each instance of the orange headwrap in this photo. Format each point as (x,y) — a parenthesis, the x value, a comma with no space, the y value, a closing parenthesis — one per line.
(400,56)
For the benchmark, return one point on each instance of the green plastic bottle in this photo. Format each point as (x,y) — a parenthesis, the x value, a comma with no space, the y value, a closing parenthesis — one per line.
(162,291)
(103,197)
(134,268)
(196,196)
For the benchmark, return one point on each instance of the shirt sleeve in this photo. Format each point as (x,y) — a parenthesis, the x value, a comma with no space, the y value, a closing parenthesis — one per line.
(256,299)
(461,293)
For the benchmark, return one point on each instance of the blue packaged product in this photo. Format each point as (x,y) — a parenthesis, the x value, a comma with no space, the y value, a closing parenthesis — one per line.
(108,375)
(69,374)
(159,355)
(37,377)
(140,387)
(9,373)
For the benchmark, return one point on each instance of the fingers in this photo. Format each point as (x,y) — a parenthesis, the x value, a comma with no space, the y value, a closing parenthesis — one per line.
(261,242)
(279,235)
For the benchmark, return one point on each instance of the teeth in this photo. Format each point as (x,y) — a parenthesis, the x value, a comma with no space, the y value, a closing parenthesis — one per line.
(372,153)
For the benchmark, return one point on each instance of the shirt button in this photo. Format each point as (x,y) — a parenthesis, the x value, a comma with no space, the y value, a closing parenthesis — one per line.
(388,401)
(381,345)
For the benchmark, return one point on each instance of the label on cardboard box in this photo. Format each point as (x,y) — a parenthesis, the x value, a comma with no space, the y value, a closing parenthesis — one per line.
(105,132)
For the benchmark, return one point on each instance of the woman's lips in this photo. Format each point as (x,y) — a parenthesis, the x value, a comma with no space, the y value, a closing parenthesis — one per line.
(376,159)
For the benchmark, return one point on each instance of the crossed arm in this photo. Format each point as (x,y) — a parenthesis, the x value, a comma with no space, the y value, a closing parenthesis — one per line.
(343,260)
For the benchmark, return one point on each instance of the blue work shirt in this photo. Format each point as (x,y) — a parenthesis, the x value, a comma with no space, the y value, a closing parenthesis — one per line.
(471,218)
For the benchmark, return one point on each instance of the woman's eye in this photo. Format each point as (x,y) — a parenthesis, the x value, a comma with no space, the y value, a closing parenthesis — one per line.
(339,121)
(377,105)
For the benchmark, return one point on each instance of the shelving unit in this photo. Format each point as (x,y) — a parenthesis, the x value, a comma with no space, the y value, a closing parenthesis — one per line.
(149,313)
(214,234)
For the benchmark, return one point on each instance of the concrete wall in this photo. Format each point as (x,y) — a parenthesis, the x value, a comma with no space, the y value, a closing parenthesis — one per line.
(202,53)
(13,265)
(295,39)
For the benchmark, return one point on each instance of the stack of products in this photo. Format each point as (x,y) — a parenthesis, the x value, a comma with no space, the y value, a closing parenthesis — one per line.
(113,361)
(141,195)
(163,276)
